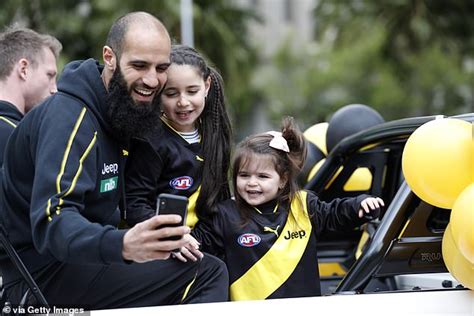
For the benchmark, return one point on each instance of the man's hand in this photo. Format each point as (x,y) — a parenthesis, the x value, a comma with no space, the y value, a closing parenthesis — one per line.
(143,242)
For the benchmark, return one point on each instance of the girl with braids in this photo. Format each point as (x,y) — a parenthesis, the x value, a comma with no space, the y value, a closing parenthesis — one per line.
(268,234)
(189,153)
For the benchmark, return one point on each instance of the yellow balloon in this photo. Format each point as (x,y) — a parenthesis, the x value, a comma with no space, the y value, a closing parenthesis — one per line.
(438,160)
(360,179)
(459,267)
(317,135)
(462,222)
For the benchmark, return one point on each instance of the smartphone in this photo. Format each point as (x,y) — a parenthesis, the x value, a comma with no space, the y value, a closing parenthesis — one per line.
(172,204)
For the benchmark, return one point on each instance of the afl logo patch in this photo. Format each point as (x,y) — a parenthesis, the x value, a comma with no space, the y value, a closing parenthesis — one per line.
(181,183)
(249,240)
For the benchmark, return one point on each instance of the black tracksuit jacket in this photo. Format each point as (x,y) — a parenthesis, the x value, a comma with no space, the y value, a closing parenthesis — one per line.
(163,162)
(9,119)
(62,178)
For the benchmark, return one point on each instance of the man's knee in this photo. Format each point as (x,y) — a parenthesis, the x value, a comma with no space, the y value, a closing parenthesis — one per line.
(216,266)
(212,283)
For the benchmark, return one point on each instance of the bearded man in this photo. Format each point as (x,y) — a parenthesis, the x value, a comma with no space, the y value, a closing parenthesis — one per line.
(63,180)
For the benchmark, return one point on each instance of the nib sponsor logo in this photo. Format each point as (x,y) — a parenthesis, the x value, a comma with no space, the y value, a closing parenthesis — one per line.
(107,185)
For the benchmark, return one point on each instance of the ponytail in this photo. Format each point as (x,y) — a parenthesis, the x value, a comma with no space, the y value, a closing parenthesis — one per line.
(296,143)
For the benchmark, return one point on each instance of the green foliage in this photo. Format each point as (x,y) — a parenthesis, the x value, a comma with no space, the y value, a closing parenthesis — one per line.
(221,32)
(82,25)
(403,58)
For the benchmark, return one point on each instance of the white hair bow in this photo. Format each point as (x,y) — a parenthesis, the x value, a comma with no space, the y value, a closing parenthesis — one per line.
(278,141)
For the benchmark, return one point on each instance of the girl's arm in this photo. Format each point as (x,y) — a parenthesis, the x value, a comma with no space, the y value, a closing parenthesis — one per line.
(210,235)
(340,214)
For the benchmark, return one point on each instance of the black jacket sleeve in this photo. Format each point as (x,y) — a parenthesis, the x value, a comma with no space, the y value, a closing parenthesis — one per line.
(210,233)
(338,215)
(143,170)
(66,160)
(5,130)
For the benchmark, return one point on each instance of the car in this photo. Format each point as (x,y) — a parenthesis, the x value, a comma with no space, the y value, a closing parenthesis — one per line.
(400,252)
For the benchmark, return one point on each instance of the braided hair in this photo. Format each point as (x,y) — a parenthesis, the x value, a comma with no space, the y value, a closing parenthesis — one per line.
(216,132)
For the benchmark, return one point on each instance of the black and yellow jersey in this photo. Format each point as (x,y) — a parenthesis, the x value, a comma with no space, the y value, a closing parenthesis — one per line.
(274,254)
(62,178)
(9,119)
(163,162)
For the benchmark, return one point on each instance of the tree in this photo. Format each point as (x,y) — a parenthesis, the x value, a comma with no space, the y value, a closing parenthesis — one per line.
(402,57)
(82,26)
(416,31)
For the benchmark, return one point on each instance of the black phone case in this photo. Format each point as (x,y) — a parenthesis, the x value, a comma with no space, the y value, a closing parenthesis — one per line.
(172,204)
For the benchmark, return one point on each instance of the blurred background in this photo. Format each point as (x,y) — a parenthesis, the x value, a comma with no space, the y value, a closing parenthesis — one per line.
(305,58)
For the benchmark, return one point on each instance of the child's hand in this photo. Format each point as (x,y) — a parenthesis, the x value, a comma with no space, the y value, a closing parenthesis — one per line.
(371,208)
(189,251)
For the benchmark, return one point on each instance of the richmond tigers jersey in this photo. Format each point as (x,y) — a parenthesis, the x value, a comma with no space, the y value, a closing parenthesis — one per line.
(162,163)
(274,255)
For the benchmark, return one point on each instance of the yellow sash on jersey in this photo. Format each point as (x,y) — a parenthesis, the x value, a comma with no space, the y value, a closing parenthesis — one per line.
(276,266)
(191,218)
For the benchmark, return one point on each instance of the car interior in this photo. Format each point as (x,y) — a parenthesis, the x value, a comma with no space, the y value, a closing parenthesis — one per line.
(402,250)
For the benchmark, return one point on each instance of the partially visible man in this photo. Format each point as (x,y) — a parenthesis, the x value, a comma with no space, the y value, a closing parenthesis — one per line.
(27,75)
(63,179)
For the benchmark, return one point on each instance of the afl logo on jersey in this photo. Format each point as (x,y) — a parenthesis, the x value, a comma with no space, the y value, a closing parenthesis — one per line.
(181,183)
(249,240)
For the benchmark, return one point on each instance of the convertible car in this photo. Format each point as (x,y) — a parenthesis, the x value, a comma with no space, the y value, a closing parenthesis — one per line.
(402,250)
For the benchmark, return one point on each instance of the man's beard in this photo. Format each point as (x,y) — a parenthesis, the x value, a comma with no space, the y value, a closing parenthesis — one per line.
(127,117)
